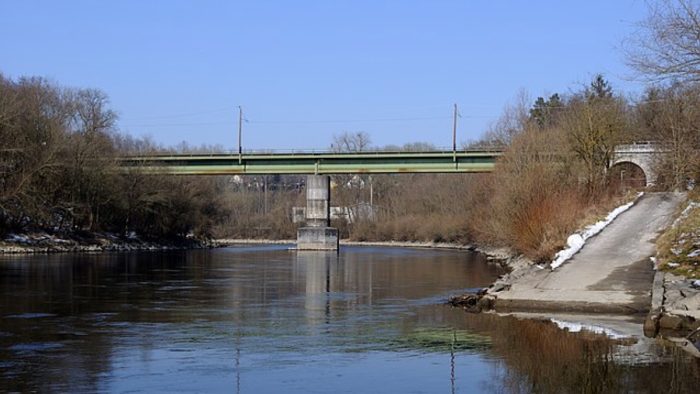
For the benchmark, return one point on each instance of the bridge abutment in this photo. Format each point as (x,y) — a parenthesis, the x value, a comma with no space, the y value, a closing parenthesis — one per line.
(318,234)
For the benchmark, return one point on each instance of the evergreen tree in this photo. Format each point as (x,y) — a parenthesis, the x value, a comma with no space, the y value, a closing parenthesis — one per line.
(599,89)
(543,112)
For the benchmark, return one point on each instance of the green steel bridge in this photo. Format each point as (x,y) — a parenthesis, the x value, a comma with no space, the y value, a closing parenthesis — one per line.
(374,162)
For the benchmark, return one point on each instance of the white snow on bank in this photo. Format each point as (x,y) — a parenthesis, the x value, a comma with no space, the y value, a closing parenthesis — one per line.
(578,327)
(17,238)
(576,241)
(691,205)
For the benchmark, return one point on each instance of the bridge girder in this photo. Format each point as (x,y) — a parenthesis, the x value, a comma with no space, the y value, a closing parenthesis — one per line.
(314,163)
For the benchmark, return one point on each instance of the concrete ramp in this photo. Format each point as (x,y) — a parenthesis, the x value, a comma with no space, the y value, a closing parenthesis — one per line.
(611,274)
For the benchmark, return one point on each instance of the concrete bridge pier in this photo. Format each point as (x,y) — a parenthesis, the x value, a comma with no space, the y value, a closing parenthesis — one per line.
(318,234)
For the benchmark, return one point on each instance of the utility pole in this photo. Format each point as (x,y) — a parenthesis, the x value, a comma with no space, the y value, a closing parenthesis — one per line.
(240,131)
(454,134)
(265,194)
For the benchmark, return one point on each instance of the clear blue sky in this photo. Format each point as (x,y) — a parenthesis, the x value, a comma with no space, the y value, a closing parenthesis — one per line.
(306,70)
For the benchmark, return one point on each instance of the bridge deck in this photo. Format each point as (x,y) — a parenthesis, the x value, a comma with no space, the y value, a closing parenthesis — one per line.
(314,163)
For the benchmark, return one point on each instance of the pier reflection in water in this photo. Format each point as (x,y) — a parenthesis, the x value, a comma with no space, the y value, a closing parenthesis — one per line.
(266,319)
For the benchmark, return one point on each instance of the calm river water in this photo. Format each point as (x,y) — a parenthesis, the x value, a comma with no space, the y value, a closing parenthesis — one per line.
(266,319)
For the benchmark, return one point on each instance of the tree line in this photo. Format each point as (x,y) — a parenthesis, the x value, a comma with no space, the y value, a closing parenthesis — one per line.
(58,169)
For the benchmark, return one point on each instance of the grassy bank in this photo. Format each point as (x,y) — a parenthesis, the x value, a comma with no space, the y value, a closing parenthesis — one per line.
(678,248)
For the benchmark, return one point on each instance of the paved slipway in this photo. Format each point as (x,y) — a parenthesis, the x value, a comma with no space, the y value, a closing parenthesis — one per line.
(611,274)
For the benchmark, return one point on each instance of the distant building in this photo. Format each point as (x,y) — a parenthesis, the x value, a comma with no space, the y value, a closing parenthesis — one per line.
(361,211)
(298,214)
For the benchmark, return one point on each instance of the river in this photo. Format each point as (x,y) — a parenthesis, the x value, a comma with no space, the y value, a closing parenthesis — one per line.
(267,319)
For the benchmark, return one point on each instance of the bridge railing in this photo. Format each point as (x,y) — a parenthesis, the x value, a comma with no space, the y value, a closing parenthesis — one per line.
(303,152)
(639,146)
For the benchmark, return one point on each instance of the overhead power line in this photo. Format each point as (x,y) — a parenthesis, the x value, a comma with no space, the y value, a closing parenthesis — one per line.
(350,120)
(176,124)
(181,115)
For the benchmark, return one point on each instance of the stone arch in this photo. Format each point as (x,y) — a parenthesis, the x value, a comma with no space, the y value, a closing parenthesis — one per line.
(642,161)
(627,174)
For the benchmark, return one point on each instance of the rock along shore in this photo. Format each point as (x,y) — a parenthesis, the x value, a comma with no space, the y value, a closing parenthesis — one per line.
(41,243)
(675,305)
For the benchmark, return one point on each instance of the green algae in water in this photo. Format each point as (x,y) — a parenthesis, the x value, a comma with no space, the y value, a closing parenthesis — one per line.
(441,340)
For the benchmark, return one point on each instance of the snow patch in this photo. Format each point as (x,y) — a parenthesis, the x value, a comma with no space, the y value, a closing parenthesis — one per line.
(17,238)
(576,241)
(578,327)
(691,205)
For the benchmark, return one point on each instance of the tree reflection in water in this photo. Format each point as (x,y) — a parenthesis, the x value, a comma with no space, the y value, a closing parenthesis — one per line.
(536,356)
(212,320)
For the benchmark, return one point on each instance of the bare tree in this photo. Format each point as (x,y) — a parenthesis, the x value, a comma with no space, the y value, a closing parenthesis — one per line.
(594,129)
(351,142)
(667,45)
(350,190)
(511,122)
(672,118)
(90,146)
(56,169)
(34,116)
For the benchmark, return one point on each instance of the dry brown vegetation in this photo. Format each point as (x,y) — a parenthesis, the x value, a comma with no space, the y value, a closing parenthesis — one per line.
(247,217)
(555,175)
(552,179)
(58,174)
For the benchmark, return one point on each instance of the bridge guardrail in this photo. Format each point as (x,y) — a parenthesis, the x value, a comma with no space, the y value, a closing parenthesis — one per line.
(303,152)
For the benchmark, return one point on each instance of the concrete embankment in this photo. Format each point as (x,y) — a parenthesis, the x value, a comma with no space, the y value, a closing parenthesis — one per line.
(611,274)
(675,305)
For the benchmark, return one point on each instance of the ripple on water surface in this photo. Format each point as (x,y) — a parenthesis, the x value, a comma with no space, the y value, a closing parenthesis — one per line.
(266,319)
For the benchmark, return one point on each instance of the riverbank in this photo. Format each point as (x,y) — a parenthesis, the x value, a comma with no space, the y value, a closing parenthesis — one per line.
(675,305)
(497,254)
(43,242)
(612,273)
(676,292)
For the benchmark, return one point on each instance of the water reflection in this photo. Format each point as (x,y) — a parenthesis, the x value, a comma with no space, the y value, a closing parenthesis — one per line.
(314,270)
(265,319)
(535,356)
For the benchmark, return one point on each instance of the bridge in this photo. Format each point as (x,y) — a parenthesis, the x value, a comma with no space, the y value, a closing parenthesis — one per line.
(314,163)
(318,235)
(642,155)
